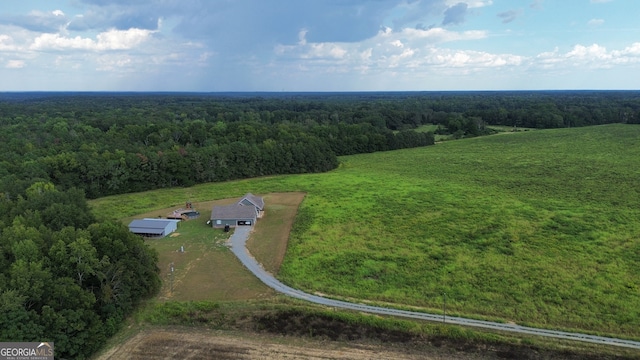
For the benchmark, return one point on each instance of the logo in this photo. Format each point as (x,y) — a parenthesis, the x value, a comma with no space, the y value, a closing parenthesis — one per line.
(26,351)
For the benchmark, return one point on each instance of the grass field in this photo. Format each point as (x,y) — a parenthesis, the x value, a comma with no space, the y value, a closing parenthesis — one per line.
(537,228)
(206,269)
(501,128)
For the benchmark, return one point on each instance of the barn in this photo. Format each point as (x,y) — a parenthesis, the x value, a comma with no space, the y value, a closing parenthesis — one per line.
(233,215)
(153,228)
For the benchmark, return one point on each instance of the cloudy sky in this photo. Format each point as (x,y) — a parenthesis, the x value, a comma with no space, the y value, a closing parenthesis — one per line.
(318,45)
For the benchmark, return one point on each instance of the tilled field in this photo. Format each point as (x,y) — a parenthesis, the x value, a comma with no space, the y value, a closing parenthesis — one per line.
(203,344)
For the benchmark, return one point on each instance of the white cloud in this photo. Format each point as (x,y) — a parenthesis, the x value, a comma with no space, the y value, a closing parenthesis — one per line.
(234,45)
(591,52)
(302,37)
(327,50)
(588,57)
(407,51)
(595,22)
(633,50)
(15,64)
(470,3)
(6,43)
(387,42)
(114,62)
(412,52)
(471,59)
(440,35)
(109,40)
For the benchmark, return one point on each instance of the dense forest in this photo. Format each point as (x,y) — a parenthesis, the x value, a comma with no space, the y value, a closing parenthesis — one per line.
(67,278)
(64,277)
(111,143)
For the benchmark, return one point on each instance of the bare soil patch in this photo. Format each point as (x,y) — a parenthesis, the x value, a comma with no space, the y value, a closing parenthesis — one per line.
(192,343)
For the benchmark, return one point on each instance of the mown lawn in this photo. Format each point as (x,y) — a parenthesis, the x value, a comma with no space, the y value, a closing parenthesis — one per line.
(206,269)
(538,228)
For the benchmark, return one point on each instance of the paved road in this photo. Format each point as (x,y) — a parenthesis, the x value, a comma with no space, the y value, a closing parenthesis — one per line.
(238,246)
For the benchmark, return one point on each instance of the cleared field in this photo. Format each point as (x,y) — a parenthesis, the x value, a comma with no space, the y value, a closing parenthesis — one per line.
(535,228)
(202,344)
(206,269)
(539,228)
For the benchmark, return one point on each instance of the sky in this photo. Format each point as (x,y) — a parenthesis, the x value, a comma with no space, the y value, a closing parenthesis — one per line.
(319,45)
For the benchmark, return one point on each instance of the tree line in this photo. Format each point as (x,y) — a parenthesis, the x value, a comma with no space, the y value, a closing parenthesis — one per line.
(178,133)
(108,145)
(111,143)
(64,277)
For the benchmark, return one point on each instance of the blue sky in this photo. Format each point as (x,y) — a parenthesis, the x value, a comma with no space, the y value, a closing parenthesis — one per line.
(318,45)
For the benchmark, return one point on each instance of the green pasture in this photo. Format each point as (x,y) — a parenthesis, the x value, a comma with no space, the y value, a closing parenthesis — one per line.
(427,128)
(433,128)
(502,128)
(539,228)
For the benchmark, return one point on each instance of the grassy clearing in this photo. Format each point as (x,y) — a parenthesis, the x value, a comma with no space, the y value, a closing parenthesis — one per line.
(206,270)
(538,228)
(427,128)
(500,128)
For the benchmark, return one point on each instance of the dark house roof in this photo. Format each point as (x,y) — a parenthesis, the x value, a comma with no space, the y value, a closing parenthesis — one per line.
(146,226)
(251,199)
(234,211)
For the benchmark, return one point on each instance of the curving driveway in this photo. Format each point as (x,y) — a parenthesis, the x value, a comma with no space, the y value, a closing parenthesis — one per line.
(238,246)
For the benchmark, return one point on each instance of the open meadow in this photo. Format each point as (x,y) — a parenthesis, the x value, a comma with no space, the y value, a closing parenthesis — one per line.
(539,228)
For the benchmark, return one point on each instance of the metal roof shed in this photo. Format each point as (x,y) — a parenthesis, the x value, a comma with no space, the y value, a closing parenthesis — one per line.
(154,228)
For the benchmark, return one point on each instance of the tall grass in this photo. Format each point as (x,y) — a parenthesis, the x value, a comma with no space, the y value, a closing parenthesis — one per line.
(540,228)
(537,227)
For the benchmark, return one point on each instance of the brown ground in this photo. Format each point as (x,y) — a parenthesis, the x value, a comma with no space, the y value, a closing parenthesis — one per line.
(191,343)
(268,242)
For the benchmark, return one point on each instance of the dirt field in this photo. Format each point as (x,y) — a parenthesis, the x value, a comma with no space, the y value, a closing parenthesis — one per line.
(181,343)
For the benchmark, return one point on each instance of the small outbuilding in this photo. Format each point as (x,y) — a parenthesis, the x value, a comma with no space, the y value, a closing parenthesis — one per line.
(233,215)
(153,228)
